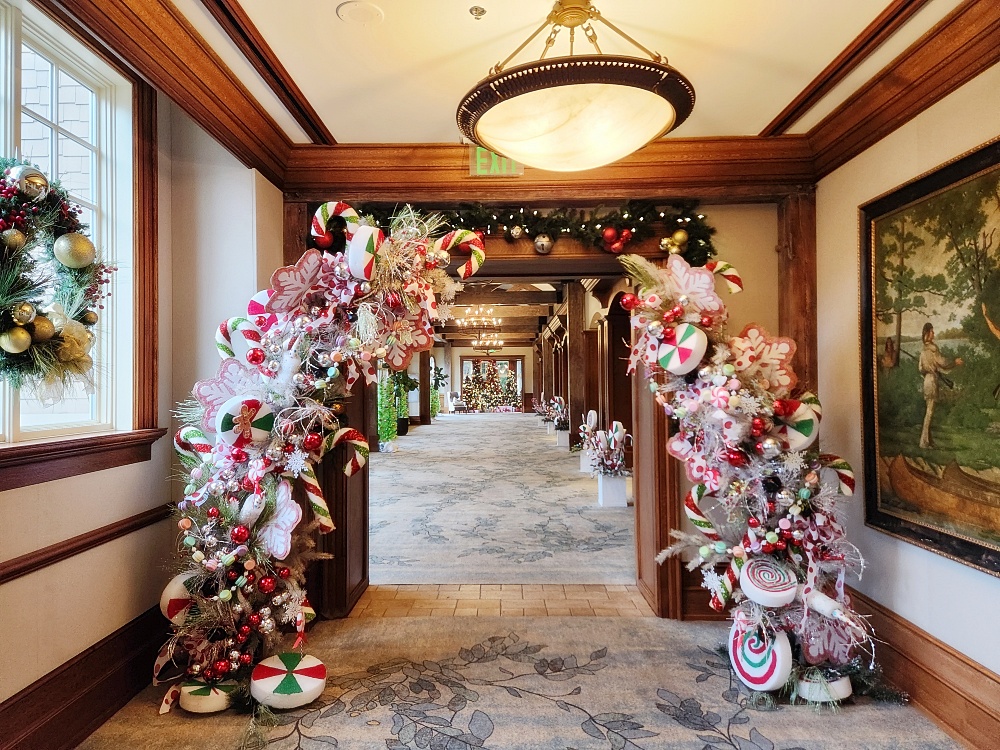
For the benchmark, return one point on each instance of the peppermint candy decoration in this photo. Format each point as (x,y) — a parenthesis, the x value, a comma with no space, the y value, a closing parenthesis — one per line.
(200,697)
(288,680)
(176,599)
(683,354)
(768,583)
(762,661)
(799,428)
(243,421)
(362,252)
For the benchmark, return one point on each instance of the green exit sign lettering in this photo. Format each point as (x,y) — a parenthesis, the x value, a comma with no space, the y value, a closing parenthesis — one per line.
(485,163)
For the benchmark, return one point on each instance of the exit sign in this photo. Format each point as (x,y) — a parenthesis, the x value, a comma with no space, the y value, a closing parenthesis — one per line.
(485,163)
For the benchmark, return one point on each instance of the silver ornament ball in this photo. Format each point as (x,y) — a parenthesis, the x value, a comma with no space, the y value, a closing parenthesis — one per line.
(22,313)
(30,181)
(543,244)
(342,271)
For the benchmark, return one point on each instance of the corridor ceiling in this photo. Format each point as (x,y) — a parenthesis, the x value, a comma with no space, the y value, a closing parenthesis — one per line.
(396,69)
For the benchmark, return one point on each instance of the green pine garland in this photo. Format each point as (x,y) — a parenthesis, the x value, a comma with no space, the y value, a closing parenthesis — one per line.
(644,218)
(386,408)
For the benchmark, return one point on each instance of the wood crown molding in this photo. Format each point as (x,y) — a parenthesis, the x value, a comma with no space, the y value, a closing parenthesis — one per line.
(22,465)
(959,694)
(32,561)
(963,44)
(245,35)
(153,38)
(877,32)
(59,710)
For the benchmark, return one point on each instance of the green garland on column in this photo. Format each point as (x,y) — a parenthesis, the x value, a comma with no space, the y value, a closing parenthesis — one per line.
(386,408)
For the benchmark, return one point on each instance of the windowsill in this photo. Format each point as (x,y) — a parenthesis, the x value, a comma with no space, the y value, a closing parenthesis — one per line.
(25,464)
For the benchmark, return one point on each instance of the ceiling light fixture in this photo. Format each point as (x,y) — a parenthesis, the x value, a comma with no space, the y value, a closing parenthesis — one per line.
(566,114)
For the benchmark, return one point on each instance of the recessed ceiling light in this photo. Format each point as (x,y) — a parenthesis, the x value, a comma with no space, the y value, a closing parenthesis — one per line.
(360,12)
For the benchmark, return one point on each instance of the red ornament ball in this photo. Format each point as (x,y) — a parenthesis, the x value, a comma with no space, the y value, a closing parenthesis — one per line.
(246,658)
(609,235)
(707,321)
(479,233)
(239,455)
(626,235)
(753,522)
(208,674)
(267,584)
(221,666)
(284,572)
(251,577)
(288,448)
(254,620)
(240,638)
(312,441)
(629,302)
(212,512)
(780,407)
(767,548)
(669,334)
(617,247)
(736,457)
(239,534)
(255,356)
(324,240)
(245,629)
(247,484)
(232,575)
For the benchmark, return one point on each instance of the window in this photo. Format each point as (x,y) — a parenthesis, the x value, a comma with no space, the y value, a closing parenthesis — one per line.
(70,113)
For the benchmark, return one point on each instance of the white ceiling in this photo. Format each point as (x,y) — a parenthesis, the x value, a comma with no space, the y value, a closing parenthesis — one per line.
(400,80)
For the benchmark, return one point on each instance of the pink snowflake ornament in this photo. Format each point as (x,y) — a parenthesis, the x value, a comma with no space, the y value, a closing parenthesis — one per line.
(233,377)
(697,284)
(292,284)
(757,355)
(275,536)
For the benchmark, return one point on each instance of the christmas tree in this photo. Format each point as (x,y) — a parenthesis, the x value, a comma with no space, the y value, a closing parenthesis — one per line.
(511,391)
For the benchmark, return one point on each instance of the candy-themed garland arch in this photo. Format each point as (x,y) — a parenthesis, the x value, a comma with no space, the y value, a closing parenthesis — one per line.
(765,503)
(257,430)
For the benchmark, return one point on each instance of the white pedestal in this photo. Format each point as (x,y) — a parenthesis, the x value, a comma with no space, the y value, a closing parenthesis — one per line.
(585,462)
(611,492)
(562,438)
(549,428)
(541,422)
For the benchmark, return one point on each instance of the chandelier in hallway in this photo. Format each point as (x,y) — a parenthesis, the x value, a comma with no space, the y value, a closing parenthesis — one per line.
(488,343)
(480,318)
(575,112)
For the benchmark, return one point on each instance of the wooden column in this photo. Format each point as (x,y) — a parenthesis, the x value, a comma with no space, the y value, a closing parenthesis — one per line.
(335,585)
(424,375)
(797,277)
(576,355)
(295,231)
(548,369)
(536,374)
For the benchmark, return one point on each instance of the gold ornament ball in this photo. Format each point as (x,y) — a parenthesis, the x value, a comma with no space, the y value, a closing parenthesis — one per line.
(15,341)
(30,181)
(42,329)
(89,318)
(13,239)
(680,237)
(675,249)
(22,313)
(74,250)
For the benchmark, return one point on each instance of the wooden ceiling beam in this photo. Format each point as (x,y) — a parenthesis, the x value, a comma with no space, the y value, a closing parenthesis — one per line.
(505,311)
(500,297)
(728,170)
(514,326)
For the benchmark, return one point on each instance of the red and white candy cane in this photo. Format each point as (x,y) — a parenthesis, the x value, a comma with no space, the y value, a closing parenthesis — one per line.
(467,241)
(733,279)
(354,439)
(693,512)
(224,335)
(316,500)
(322,236)
(191,442)
(843,470)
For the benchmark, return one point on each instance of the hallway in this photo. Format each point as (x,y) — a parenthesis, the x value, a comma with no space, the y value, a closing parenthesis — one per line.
(490,499)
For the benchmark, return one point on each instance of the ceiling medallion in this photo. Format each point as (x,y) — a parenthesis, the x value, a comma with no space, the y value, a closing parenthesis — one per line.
(575,112)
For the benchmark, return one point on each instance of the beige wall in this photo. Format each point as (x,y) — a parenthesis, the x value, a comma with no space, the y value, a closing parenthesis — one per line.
(953,602)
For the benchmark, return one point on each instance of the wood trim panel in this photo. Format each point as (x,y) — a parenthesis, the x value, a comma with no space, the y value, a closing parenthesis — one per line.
(146,282)
(877,32)
(22,465)
(29,563)
(729,170)
(153,38)
(797,317)
(695,599)
(62,708)
(959,694)
(963,44)
(245,35)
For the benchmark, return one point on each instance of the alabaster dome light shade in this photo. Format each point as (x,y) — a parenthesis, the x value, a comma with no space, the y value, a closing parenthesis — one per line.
(566,114)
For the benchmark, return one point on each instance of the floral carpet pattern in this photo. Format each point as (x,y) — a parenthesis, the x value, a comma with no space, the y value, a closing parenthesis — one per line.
(586,683)
(489,498)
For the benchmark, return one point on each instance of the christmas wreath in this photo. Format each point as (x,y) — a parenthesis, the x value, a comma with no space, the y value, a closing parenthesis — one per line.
(51,285)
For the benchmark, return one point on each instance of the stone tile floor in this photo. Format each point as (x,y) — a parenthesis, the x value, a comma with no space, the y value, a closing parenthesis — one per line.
(503,599)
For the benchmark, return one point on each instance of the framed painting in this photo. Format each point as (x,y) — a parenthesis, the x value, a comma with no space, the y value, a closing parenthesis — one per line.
(930,356)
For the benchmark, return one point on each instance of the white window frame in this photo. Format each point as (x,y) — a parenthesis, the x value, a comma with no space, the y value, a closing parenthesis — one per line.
(112,229)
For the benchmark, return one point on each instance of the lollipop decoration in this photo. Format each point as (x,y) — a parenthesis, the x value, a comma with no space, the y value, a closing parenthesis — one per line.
(765,503)
(52,286)
(259,427)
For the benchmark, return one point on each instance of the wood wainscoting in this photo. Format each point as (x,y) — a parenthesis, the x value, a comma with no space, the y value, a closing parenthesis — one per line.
(60,709)
(960,695)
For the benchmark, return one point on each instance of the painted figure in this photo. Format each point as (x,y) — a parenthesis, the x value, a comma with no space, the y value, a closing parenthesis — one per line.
(931,364)
(889,356)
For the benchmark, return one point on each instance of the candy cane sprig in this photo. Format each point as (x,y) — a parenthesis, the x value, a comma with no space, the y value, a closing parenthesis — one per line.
(467,241)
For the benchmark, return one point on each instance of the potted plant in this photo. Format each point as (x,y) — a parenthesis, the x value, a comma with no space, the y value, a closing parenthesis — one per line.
(402,385)
(386,412)
(608,449)
(438,381)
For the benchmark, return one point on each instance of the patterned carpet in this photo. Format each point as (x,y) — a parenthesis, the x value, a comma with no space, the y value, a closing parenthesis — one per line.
(586,683)
(488,498)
